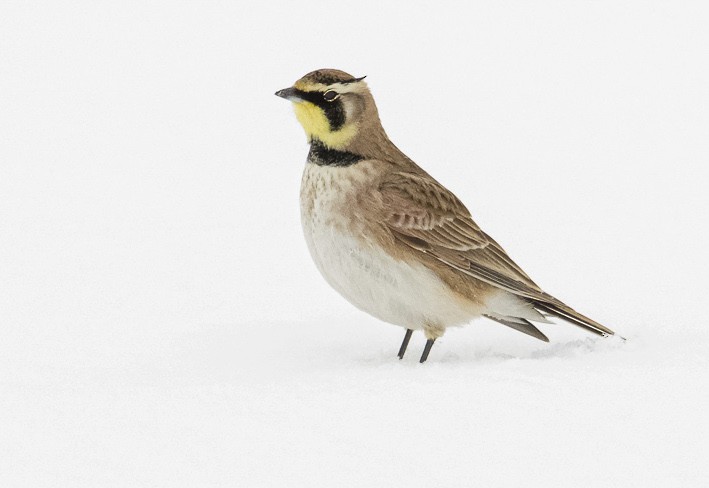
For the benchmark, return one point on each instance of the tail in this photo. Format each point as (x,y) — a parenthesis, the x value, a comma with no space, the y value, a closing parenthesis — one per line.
(520,324)
(559,309)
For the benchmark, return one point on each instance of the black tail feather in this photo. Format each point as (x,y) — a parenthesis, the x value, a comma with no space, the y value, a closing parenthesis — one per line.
(570,315)
(522,325)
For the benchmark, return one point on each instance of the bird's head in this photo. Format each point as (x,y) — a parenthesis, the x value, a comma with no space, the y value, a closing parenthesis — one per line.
(332,106)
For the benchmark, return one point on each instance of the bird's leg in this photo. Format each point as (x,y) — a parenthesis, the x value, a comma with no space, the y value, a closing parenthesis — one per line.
(426,350)
(405,344)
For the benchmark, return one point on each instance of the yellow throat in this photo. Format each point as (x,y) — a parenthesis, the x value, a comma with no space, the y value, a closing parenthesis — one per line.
(317,126)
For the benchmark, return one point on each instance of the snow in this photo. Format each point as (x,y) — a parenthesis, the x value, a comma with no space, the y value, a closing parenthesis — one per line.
(161,323)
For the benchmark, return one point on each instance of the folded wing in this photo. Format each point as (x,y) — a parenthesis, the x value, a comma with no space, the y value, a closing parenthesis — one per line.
(425,216)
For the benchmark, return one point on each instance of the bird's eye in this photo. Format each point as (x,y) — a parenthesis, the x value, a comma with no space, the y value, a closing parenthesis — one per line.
(330,95)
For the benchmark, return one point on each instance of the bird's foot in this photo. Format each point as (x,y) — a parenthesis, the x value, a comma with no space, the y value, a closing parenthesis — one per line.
(405,344)
(426,350)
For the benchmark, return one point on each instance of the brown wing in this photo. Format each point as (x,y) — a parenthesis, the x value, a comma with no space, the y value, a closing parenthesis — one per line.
(424,215)
(428,217)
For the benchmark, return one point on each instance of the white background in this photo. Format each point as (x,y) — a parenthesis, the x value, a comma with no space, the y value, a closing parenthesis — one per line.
(161,323)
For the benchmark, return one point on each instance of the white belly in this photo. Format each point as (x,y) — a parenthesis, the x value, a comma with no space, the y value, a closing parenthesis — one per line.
(392,290)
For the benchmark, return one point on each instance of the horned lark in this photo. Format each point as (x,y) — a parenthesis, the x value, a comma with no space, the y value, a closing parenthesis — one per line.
(391,239)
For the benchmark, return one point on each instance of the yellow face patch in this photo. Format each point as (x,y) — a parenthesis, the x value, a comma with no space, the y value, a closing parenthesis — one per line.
(317,126)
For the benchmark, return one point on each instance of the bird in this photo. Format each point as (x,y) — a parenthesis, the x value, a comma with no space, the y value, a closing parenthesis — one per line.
(391,239)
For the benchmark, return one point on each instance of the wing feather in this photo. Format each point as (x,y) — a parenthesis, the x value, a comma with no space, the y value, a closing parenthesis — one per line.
(445,225)
(424,215)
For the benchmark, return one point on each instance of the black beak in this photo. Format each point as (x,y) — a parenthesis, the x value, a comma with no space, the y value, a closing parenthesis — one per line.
(288,94)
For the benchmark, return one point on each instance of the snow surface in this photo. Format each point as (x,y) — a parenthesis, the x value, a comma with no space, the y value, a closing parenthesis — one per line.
(161,323)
